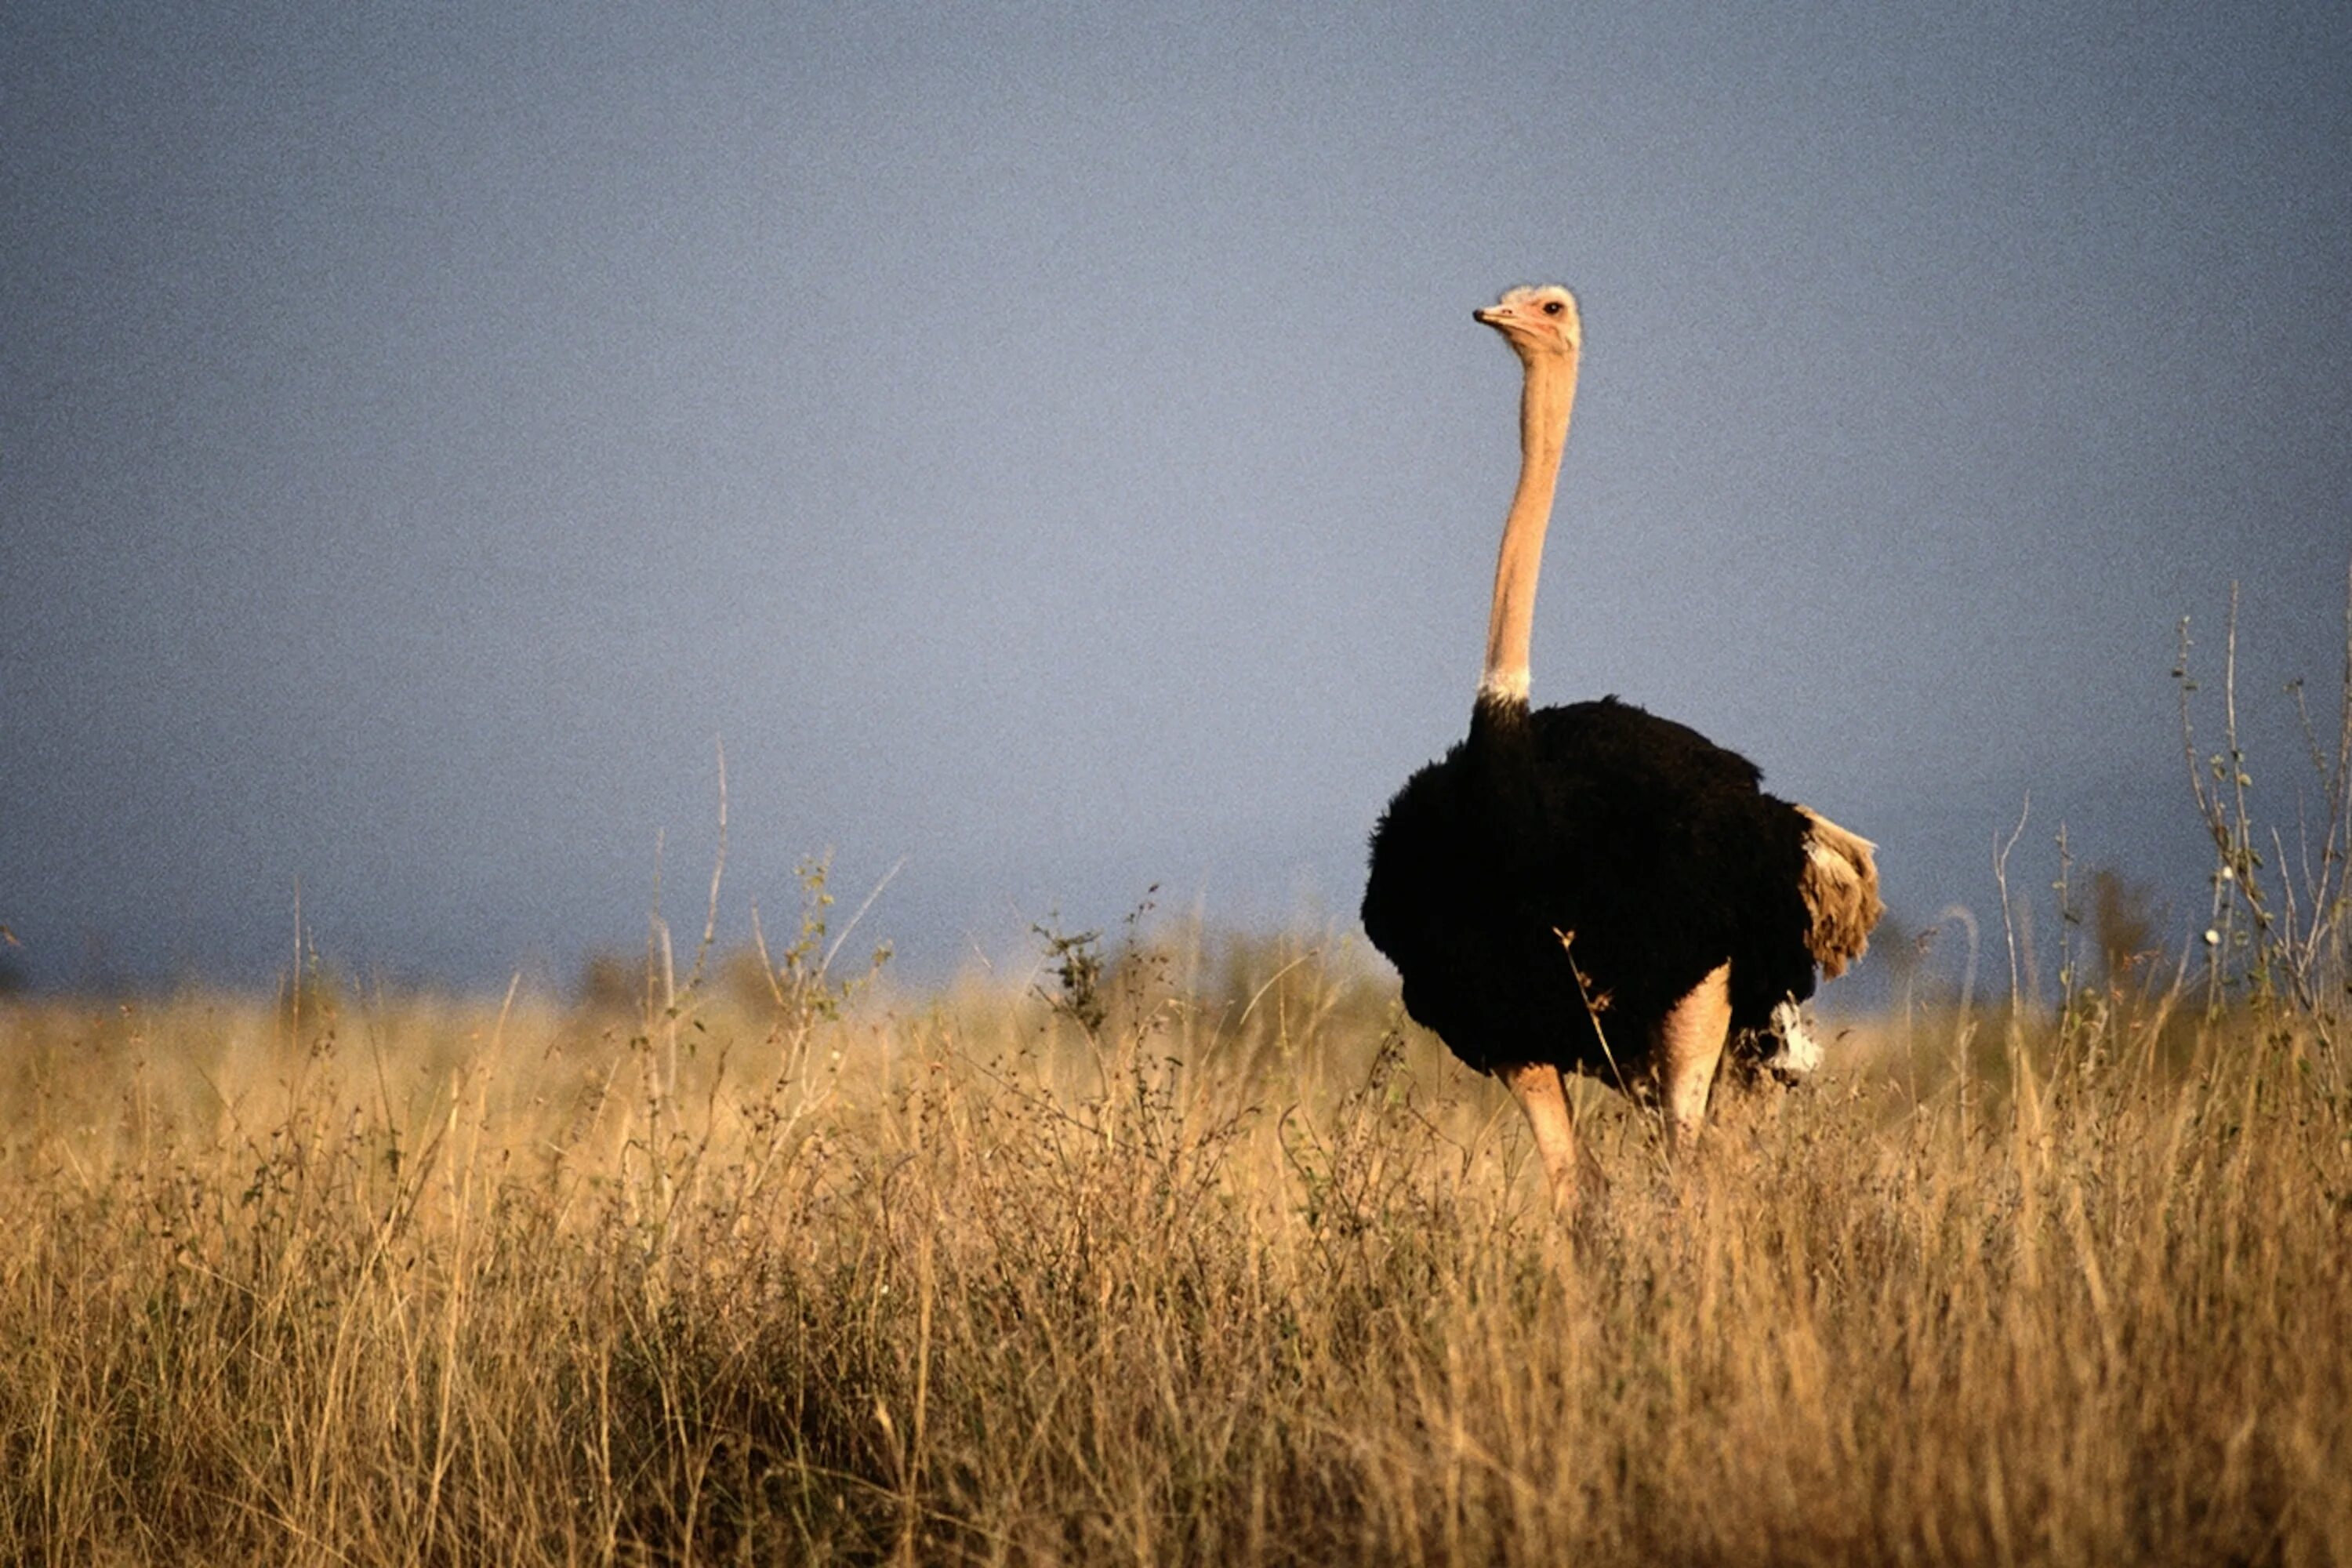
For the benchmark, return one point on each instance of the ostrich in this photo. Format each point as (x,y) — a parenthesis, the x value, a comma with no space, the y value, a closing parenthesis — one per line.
(1591,888)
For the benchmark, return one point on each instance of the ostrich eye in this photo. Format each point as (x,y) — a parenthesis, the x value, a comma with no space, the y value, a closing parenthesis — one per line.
(1551,306)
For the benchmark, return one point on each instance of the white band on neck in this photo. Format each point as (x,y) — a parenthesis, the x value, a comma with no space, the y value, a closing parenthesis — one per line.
(1504,685)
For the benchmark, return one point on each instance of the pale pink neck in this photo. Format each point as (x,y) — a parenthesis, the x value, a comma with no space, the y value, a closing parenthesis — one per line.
(1544,406)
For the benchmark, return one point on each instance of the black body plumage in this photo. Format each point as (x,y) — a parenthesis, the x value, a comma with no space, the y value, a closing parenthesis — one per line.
(1655,848)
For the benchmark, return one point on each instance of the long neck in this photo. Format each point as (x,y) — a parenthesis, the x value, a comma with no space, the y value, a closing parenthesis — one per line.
(1543,406)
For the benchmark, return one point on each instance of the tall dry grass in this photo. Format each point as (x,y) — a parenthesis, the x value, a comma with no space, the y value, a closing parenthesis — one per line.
(1239,1274)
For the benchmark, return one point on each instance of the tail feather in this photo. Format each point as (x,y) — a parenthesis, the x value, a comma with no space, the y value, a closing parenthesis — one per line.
(1839,883)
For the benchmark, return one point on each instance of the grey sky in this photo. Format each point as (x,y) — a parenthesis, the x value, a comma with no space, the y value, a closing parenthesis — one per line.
(1050,444)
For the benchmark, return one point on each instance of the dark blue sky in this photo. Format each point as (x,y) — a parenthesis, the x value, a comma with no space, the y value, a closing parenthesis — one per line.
(1051,447)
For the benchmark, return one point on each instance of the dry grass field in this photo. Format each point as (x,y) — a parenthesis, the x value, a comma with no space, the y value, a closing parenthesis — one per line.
(1196,1258)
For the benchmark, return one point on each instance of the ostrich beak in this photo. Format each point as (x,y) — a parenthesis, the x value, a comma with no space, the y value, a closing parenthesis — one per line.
(1492,315)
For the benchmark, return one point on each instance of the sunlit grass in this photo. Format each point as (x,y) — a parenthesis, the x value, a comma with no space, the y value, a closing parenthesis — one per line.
(1243,1274)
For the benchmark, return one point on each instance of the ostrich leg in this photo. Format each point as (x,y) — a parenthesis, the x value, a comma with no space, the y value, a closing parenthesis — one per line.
(1688,1049)
(1544,1095)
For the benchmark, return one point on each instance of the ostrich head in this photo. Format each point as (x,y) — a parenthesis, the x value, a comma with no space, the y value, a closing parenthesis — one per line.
(1539,322)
